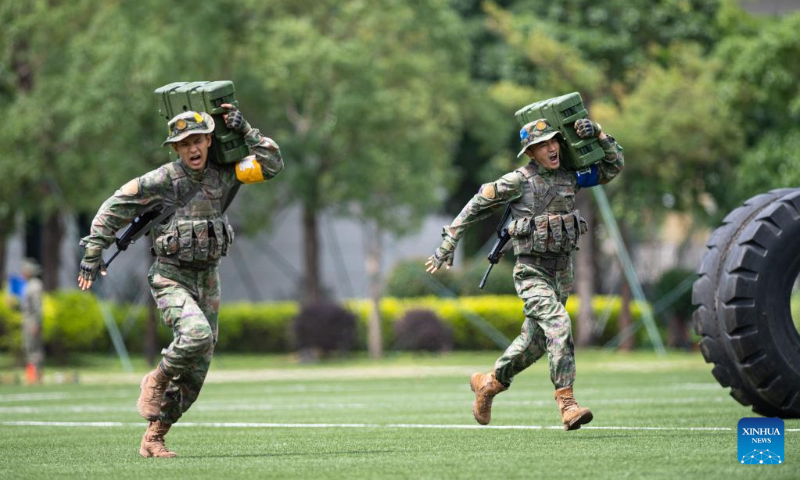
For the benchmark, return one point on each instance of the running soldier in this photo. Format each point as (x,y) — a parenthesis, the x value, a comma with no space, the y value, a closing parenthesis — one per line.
(31,307)
(184,279)
(544,230)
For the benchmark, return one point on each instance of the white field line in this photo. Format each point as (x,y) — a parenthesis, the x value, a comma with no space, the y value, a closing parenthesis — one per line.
(28,397)
(294,374)
(48,396)
(366,425)
(228,406)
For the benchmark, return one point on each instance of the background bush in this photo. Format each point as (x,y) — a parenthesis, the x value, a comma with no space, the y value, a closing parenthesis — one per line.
(422,330)
(324,326)
(73,322)
(70,323)
(682,306)
(10,327)
(256,327)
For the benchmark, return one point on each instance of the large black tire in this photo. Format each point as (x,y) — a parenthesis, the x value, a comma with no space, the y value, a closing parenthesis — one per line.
(743,303)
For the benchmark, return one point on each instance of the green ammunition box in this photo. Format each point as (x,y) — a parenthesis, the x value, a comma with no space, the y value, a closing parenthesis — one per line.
(228,146)
(562,112)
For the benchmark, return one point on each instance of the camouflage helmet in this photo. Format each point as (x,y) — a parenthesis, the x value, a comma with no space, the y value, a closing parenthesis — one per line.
(30,267)
(188,123)
(537,131)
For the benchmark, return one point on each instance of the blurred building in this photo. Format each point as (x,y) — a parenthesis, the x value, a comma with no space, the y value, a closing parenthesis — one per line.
(769,7)
(266,267)
(269,266)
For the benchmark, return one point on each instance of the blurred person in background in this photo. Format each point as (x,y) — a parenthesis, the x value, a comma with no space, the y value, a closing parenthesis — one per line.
(184,279)
(545,230)
(30,304)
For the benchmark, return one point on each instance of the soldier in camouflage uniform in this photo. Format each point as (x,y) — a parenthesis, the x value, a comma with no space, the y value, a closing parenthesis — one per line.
(543,244)
(31,307)
(184,279)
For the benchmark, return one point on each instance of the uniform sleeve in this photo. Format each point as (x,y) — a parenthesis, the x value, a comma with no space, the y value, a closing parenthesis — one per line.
(490,196)
(129,201)
(613,162)
(265,163)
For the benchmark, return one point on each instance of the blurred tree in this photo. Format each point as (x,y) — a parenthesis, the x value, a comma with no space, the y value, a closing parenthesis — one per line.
(26,140)
(677,135)
(543,49)
(619,35)
(364,99)
(86,120)
(760,82)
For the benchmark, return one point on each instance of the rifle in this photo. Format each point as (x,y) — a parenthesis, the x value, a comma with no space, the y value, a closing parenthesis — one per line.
(142,224)
(497,250)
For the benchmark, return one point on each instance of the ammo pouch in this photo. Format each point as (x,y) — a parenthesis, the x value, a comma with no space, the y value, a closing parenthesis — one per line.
(192,241)
(547,233)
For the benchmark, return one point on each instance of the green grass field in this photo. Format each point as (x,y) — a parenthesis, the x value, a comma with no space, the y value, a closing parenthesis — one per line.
(402,417)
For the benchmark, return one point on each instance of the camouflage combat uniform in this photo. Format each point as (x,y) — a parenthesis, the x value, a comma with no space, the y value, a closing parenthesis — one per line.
(543,274)
(31,307)
(184,279)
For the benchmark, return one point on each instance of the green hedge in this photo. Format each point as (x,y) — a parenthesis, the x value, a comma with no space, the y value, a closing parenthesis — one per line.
(73,322)
(504,312)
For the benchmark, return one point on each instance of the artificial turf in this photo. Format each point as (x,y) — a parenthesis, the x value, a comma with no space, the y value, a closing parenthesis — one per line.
(401,417)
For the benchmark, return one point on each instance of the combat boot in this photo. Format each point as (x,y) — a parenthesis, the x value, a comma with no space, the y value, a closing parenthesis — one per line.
(153,386)
(153,441)
(572,414)
(485,387)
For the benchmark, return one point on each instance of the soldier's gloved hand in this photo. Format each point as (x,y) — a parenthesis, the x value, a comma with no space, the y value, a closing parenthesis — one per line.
(586,128)
(235,120)
(443,255)
(91,264)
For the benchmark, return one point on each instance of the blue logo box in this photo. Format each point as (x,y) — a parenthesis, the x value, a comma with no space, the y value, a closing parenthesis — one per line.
(760,441)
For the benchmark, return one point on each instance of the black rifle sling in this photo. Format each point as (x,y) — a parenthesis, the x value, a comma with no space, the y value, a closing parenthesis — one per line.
(137,232)
(179,203)
(229,196)
(529,172)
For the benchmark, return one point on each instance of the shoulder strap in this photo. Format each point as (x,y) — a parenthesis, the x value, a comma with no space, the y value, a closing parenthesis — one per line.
(177,204)
(188,196)
(153,216)
(229,196)
(172,205)
(531,174)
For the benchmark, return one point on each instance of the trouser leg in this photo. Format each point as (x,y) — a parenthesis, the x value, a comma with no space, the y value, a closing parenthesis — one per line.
(191,309)
(193,338)
(528,347)
(184,390)
(547,328)
(554,321)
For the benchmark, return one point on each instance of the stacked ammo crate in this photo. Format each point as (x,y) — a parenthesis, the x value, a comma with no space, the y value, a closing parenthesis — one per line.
(562,112)
(174,98)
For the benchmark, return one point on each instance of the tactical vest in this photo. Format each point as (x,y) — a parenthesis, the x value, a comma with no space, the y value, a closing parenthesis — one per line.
(197,235)
(556,231)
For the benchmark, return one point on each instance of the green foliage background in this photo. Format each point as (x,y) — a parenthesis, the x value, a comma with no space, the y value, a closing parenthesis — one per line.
(73,322)
(379,106)
(390,111)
